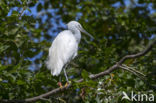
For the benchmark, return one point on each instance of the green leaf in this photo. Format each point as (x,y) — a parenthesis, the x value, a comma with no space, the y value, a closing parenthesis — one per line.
(39,7)
(20,82)
(3,47)
(84,74)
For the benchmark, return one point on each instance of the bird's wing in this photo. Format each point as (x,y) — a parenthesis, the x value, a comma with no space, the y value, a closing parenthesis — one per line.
(63,49)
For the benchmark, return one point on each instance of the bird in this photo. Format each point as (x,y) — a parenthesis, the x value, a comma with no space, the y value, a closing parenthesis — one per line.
(64,48)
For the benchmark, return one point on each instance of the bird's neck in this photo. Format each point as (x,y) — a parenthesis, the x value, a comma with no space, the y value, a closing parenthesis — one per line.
(77,34)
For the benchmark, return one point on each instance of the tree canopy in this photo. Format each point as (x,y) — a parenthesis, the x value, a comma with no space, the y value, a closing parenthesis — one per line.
(120,28)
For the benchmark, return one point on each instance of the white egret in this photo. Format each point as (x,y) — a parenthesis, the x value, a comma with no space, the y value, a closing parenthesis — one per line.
(64,48)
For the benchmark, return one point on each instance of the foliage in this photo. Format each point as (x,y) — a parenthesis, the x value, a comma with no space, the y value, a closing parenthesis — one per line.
(120,27)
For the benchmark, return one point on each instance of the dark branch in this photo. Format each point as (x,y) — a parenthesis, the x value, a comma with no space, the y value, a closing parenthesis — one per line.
(20,14)
(138,54)
(106,72)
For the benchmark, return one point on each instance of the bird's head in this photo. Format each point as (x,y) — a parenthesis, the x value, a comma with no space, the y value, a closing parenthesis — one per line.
(76,25)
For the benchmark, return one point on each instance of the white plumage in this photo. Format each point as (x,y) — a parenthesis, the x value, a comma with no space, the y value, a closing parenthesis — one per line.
(64,48)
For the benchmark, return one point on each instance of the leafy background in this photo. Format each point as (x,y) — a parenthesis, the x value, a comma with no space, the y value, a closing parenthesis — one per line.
(120,27)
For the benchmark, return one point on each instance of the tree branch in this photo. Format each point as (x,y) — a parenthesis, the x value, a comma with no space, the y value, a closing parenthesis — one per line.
(130,68)
(20,14)
(106,72)
(134,72)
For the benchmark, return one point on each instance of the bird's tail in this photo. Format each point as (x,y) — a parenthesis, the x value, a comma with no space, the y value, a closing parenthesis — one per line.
(54,67)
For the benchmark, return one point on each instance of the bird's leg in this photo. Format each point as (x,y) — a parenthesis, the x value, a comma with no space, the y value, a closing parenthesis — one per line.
(65,74)
(59,83)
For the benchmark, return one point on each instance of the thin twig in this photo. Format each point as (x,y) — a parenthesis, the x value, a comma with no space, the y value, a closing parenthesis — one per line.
(125,68)
(133,70)
(20,14)
(46,99)
(60,99)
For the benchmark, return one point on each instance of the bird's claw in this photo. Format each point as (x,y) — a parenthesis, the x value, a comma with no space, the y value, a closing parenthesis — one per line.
(60,84)
(67,83)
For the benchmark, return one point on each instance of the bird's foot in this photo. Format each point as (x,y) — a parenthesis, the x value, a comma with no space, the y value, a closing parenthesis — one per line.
(60,84)
(67,83)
